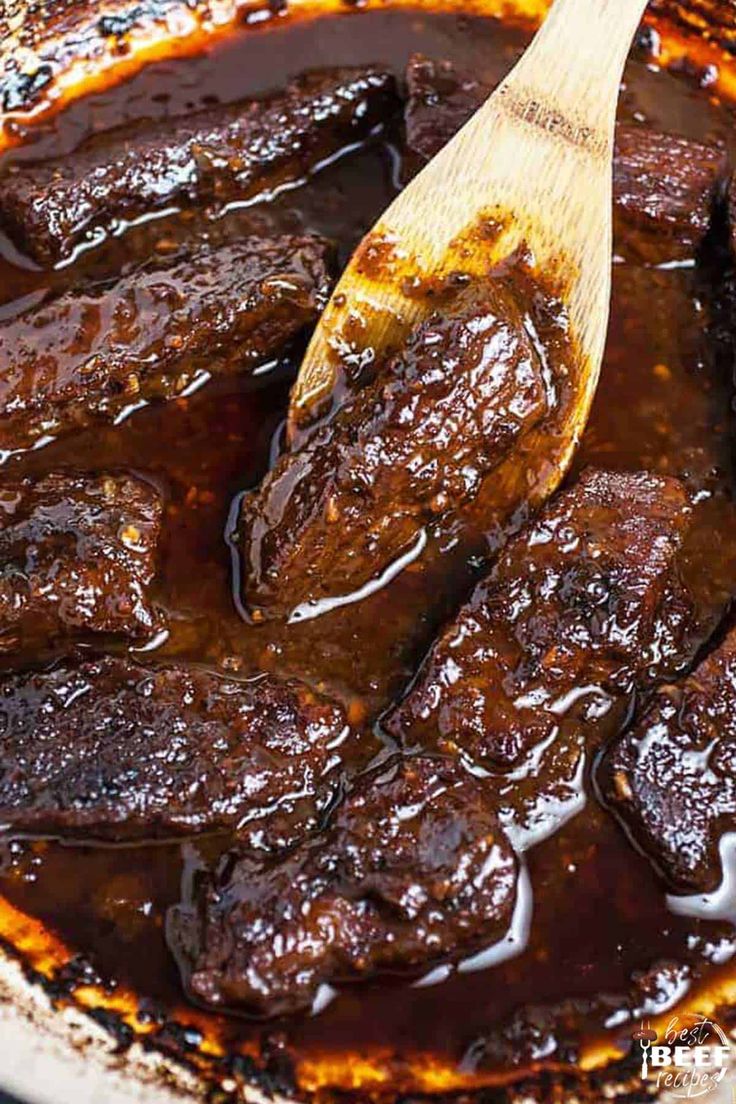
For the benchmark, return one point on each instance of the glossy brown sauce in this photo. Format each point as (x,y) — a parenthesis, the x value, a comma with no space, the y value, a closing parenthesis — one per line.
(599,915)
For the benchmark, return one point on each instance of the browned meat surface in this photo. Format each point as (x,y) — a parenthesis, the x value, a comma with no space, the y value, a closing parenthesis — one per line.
(664,186)
(440,101)
(77,556)
(112,750)
(584,606)
(416,442)
(212,156)
(672,776)
(414,867)
(86,355)
(664,189)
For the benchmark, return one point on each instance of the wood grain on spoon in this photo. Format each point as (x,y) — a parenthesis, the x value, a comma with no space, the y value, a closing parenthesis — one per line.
(535,163)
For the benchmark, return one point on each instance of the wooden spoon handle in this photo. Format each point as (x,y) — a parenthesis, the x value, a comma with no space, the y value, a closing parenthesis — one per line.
(575,62)
(538,155)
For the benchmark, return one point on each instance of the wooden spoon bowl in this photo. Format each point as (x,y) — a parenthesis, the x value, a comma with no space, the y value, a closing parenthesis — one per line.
(529,175)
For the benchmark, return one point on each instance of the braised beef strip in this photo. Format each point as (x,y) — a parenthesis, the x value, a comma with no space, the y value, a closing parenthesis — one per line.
(88,354)
(77,557)
(213,156)
(582,608)
(440,100)
(417,441)
(112,750)
(413,866)
(672,776)
(664,189)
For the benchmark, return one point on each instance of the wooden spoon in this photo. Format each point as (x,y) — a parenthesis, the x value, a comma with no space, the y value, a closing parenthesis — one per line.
(536,160)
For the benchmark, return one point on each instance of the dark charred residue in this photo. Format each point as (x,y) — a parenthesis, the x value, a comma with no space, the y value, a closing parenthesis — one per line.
(119,24)
(60,34)
(18,89)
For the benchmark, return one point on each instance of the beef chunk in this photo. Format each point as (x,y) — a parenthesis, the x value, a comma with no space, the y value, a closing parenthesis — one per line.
(116,751)
(216,155)
(664,189)
(87,355)
(663,185)
(441,100)
(414,867)
(77,555)
(672,776)
(415,442)
(582,607)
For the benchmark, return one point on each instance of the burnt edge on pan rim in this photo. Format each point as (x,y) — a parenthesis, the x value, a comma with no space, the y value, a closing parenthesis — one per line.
(73,1056)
